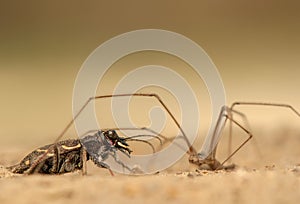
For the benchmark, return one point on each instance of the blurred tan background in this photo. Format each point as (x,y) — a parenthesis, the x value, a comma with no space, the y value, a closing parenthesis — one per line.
(255,46)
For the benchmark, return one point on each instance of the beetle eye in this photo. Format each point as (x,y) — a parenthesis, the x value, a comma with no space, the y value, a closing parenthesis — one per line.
(111,134)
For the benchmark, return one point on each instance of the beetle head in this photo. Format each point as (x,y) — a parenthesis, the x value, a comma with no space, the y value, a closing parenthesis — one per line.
(118,142)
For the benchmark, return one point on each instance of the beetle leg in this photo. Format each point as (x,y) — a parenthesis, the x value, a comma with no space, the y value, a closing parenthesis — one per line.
(35,168)
(83,159)
(56,160)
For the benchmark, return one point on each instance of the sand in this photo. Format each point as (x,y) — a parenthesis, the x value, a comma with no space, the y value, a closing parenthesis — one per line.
(238,186)
(179,184)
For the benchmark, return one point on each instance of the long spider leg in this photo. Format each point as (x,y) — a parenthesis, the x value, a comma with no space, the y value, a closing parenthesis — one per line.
(166,139)
(208,155)
(149,143)
(231,109)
(157,136)
(242,144)
(33,166)
(284,105)
(151,136)
(191,149)
(233,105)
(247,125)
(138,128)
(209,147)
(229,116)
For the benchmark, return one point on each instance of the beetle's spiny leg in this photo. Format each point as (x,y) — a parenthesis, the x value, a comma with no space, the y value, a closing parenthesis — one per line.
(35,168)
(115,156)
(56,159)
(83,159)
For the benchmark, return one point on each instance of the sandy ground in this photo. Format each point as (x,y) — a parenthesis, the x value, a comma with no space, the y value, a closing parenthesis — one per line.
(239,186)
(270,181)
